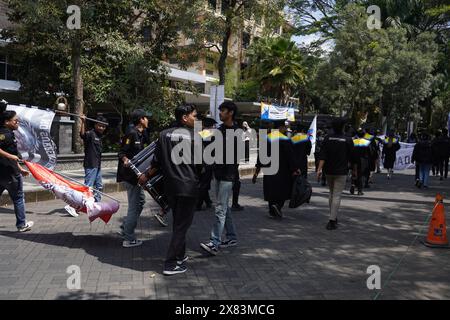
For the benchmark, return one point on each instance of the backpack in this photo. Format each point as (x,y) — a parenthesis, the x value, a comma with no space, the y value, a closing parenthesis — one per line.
(301,192)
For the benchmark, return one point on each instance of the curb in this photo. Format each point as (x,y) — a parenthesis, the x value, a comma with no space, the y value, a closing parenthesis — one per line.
(108,187)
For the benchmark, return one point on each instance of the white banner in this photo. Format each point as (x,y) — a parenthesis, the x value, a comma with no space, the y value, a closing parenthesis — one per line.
(312,132)
(274,112)
(33,136)
(404,156)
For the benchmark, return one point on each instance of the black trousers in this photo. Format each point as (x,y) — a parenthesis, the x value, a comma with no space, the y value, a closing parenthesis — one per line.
(247,150)
(204,197)
(236,188)
(446,168)
(183,213)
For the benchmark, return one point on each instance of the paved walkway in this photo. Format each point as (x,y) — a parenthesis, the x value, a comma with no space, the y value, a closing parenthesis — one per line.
(295,258)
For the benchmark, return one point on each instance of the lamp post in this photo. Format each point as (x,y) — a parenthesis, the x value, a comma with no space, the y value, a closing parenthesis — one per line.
(63,126)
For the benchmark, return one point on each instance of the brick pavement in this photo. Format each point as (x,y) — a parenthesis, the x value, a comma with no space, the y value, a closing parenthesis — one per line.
(295,258)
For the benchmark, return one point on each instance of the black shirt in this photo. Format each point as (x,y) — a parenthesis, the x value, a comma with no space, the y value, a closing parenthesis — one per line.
(227,171)
(8,144)
(132,143)
(180,180)
(336,151)
(92,149)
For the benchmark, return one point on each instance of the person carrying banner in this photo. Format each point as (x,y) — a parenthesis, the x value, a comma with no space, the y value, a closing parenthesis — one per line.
(11,171)
(132,143)
(301,150)
(181,182)
(278,187)
(335,158)
(389,154)
(360,162)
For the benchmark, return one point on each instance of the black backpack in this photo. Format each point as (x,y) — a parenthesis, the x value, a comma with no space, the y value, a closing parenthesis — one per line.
(301,192)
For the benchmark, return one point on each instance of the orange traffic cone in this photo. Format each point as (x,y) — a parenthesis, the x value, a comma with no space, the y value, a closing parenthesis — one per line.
(437,232)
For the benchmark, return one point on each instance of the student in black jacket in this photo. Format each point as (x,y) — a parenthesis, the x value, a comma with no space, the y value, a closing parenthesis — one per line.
(335,156)
(174,155)
(422,156)
(132,143)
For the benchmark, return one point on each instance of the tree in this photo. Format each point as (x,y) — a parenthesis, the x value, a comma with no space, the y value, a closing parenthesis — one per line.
(277,64)
(380,71)
(215,32)
(114,38)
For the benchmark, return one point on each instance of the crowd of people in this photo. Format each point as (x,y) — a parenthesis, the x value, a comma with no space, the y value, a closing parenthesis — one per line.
(341,154)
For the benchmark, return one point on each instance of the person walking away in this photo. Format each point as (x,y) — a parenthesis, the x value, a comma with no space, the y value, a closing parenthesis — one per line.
(335,157)
(360,162)
(278,187)
(302,149)
(423,157)
(132,143)
(439,152)
(389,154)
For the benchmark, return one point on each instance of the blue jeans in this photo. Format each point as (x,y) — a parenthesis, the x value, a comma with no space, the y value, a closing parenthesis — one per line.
(93,179)
(14,185)
(424,173)
(136,201)
(224,190)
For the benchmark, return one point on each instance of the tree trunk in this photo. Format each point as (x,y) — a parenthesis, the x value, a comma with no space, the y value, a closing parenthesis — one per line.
(221,65)
(77,93)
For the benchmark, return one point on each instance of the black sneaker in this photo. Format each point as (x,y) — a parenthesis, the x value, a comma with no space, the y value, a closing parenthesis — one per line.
(160,218)
(360,193)
(228,243)
(210,248)
(332,225)
(352,190)
(175,270)
(186,258)
(276,211)
(237,207)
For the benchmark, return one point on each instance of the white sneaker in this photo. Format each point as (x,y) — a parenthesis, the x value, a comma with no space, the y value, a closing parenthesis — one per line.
(132,243)
(26,227)
(71,211)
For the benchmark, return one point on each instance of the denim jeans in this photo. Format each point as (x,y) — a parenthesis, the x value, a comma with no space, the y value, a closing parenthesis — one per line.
(93,178)
(14,185)
(424,173)
(136,201)
(223,213)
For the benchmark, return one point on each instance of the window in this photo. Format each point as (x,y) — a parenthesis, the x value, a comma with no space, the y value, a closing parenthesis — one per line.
(7,71)
(209,72)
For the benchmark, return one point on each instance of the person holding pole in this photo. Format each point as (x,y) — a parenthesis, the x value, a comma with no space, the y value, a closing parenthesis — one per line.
(11,177)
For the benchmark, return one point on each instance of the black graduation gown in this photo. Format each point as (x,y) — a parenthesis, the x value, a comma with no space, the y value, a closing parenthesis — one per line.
(302,149)
(278,187)
(390,154)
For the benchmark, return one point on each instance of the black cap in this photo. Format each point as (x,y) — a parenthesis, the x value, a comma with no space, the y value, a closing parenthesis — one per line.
(137,114)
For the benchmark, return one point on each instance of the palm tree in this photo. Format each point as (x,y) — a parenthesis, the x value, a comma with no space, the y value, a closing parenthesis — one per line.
(278,64)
